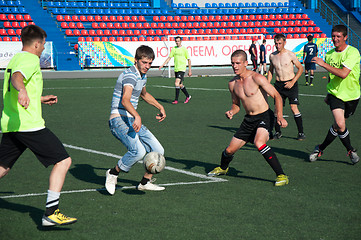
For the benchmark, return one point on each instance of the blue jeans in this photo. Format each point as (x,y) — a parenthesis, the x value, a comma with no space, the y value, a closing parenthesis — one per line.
(137,143)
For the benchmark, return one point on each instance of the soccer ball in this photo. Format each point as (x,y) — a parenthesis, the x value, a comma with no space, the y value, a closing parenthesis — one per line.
(154,162)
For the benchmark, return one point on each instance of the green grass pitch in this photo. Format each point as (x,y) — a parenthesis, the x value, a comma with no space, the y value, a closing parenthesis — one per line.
(322,200)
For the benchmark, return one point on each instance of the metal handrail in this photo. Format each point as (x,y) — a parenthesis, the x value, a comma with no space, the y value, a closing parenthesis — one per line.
(333,19)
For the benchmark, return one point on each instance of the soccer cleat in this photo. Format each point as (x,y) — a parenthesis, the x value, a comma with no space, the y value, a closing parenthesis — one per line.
(110,182)
(217,171)
(187,99)
(311,84)
(353,156)
(175,102)
(301,136)
(277,135)
(57,218)
(307,83)
(281,180)
(150,186)
(315,154)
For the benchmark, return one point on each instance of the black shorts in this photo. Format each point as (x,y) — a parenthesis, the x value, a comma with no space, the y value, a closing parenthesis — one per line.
(247,130)
(291,94)
(43,143)
(180,75)
(310,66)
(349,107)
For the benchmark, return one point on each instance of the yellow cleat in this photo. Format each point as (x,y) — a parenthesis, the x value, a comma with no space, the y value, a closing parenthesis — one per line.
(57,218)
(217,171)
(281,180)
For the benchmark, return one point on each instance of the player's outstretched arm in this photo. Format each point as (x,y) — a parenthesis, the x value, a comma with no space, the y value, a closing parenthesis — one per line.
(148,98)
(165,63)
(49,99)
(340,72)
(17,80)
(189,68)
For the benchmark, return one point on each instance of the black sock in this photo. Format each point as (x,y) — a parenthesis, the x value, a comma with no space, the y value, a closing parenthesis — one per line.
(144,181)
(184,90)
(345,139)
(311,78)
(298,120)
(271,159)
(114,171)
(306,75)
(331,135)
(225,160)
(177,89)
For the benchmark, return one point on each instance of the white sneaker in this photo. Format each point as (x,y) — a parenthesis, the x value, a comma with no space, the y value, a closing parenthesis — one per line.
(110,182)
(150,187)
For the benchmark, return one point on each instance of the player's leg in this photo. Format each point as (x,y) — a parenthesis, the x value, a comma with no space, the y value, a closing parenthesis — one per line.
(294,102)
(260,142)
(177,89)
(312,77)
(50,151)
(151,144)
(227,156)
(10,151)
(265,69)
(306,75)
(182,87)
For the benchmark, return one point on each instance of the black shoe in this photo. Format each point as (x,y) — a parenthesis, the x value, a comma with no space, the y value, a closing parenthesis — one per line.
(301,136)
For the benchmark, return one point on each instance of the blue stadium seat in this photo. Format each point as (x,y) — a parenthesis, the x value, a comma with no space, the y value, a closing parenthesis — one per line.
(234,5)
(273,4)
(194,5)
(227,5)
(253,4)
(114,11)
(221,5)
(247,4)
(212,11)
(178,12)
(214,5)
(245,11)
(240,5)
(78,11)
(239,11)
(164,12)
(260,4)
(187,5)
(267,4)
(180,5)
(207,5)
(279,4)
(145,5)
(150,12)
(174,5)
(259,10)
(192,12)
(252,11)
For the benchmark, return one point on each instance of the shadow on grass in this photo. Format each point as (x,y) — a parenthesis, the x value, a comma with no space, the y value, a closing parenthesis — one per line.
(229,129)
(86,173)
(35,213)
(189,164)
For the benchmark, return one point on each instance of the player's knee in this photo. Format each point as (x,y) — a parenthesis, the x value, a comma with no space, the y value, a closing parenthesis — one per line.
(3,171)
(66,162)
(229,151)
(340,126)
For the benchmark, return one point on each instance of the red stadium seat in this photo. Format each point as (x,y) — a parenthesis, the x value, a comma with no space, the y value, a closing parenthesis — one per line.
(115,32)
(269,36)
(134,18)
(316,35)
(265,17)
(107,32)
(285,17)
(117,25)
(75,18)
(264,24)
(84,32)
(6,39)
(296,36)
(303,35)
(100,32)
(96,39)
(251,24)
(170,18)
(211,18)
(197,18)
(323,35)
(67,18)
(142,39)
(125,25)
(83,18)
(277,30)
(112,39)
(27,17)
(271,23)
(112,18)
(259,17)
(175,25)
(11,17)
(120,19)
(305,16)
(162,18)
(3,17)
(284,23)
(127,18)
(23,24)
(105,18)
(89,39)
(77,32)
(95,25)
(69,32)
(92,32)
(205,18)
(141,19)
(156,18)
(257,24)
(288,36)
(119,39)
(18,31)
(110,25)
(90,18)
(72,25)
(15,39)
(180,32)
(81,39)
(131,25)
(104,39)
(252,18)
(62,25)
(317,29)
(59,18)
(15,25)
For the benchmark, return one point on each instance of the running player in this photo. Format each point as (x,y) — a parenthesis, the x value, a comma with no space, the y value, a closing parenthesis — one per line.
(310,51)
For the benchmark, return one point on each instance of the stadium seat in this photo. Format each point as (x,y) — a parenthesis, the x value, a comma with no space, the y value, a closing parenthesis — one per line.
(72,25)
(316,35)
(89,39)
(84,32)
(323,35)
(96,39)
(6,39)
(18,31)
(62,25)
(69,32)
(76,32)
(15,25)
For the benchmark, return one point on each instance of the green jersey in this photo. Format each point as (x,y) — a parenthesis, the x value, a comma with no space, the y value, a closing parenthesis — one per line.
(181,56)
(349,88)
(16,118)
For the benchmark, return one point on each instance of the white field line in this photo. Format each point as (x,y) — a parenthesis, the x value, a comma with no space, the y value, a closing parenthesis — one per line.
(209,179)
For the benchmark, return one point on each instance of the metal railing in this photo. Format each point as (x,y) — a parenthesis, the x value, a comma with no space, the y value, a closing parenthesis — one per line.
(333,19)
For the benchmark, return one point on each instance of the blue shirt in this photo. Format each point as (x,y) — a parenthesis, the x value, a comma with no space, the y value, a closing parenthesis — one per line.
(311,50)
(130,77)
(262,54)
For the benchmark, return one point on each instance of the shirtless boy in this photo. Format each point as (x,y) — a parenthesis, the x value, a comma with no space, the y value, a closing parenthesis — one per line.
(251,89)
(283,62)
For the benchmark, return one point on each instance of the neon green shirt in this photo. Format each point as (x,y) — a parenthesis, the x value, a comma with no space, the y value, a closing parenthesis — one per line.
(181,56)
(16,118)
(349,88)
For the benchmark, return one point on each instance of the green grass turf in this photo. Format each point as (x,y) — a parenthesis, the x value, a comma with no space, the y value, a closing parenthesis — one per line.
(322,200)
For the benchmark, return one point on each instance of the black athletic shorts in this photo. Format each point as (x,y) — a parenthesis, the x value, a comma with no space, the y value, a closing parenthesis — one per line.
(291,94)
(180,75)
(310,66)
(43,143)
(247,130)
(349,107)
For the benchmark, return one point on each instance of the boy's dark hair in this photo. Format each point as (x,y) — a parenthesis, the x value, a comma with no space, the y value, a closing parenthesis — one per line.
(240,53)
(177,37)
(31,33)
(144,52)
(279,36)
(309,38)
(340,28)
(264,40)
